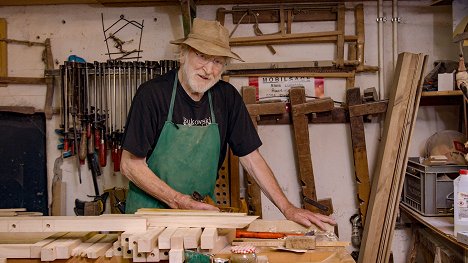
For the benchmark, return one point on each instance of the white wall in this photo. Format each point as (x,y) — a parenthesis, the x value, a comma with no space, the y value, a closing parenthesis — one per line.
(77,29)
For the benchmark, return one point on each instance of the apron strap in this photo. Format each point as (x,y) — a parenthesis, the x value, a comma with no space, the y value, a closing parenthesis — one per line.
(171,107)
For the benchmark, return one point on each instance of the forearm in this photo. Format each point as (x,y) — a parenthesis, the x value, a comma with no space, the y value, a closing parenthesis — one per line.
(261,172)
(256,166)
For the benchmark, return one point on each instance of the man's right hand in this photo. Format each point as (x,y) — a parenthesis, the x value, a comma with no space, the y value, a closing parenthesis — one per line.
(186,202)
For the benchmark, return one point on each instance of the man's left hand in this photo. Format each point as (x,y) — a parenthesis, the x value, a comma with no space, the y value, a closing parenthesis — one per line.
(307,218)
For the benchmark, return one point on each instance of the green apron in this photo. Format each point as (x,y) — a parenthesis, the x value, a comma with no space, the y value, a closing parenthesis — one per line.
(185,157)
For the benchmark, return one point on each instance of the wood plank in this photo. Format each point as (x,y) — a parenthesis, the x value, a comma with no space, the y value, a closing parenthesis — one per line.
(15,251)
(164,239)
(367,108)
(253,191)
(316,105)
(117,249)
(139,256)
(358,141)
(209,237)
(177,239)
(3,50)
(149,240)
(340,27)
(397,187)
(192,238)
(270,39)
(72,224)
(303,153)
(78,251)
(22,80)
(49,61)
(392,159)
(360,33)
(176,255)
(278,65)
(153,256)
(181,212)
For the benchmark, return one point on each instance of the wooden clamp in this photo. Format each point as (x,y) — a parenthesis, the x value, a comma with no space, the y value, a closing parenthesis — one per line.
(357,110)
(300,109)
(253,193)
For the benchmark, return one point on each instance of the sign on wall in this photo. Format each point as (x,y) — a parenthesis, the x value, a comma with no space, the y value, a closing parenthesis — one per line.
(277,88)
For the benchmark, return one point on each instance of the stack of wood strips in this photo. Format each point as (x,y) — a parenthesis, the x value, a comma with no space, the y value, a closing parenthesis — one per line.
(150,236)
(392,160)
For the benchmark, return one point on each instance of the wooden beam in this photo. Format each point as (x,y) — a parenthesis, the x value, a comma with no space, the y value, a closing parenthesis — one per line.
(369,108)
(50,80)
(360,32)
(287,38)
(358,141)
(208,238)
(192,238)
(3,50)
(164,239)
(302,143)
(392,158)
(199,221)
(253,193)
(340,38)
(72,224)
(149,240)
(22,80)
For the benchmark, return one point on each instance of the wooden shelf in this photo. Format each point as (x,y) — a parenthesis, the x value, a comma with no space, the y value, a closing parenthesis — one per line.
(154,2)
(435,98)
(441,225)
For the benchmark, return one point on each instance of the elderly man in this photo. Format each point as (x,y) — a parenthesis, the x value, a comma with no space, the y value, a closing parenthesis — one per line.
(179,127)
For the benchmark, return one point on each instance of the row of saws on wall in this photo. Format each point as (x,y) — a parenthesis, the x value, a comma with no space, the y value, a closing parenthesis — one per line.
(95,100)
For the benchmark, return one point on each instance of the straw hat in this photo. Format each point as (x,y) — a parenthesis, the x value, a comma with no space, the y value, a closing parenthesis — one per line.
(208,37)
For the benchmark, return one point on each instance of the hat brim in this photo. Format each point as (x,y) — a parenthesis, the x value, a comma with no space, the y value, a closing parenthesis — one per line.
(207,47)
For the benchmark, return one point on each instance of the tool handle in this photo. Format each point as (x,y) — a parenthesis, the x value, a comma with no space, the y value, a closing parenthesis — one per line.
(117,156)
(102,153)
(83,143)
(97,138)
(263,235)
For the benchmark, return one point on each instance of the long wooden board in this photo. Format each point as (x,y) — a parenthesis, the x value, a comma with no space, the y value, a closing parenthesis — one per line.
(392,159)
(72,224)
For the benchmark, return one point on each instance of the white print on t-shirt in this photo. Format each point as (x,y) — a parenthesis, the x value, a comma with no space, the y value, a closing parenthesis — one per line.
(192,122)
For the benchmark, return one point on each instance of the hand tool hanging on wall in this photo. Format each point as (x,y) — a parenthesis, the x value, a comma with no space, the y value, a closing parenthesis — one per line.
(300,109)
(96,98)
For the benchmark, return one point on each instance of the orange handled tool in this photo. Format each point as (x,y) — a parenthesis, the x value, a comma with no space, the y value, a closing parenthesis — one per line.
(263,235)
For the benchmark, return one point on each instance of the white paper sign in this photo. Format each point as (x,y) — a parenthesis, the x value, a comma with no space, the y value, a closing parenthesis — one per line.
(274,88)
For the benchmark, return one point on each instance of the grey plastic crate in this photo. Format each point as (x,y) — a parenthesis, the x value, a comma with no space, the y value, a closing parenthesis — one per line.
(426,188)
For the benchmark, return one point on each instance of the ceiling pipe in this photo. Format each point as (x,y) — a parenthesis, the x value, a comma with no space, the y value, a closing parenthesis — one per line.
(395,21)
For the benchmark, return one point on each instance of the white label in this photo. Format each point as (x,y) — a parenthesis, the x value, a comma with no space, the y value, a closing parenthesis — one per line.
(278,87)
(462,205)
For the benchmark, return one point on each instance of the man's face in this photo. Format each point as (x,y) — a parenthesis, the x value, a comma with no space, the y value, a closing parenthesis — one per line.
(202,71)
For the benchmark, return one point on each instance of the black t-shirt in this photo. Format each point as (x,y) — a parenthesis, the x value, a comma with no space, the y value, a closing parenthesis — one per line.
(150,107)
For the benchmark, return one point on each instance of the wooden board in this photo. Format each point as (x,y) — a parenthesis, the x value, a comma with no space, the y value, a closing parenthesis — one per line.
(200,221)
(392,159)
(358,141)
(253,192)
(302,144)
(3,50)
(72,224)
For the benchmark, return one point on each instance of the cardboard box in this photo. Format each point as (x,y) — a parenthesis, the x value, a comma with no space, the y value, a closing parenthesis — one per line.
(445,81)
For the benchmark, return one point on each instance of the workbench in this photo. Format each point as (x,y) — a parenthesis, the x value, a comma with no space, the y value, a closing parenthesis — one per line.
(437,230)
(147,237)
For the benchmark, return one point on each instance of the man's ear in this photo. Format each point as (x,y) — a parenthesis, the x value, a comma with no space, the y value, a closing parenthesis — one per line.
(182,59)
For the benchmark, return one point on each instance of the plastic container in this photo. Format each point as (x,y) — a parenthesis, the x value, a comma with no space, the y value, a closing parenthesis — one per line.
(460,194)
(243,254)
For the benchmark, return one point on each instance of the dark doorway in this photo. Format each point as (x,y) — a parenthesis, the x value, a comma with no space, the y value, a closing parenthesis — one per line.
(23,170)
